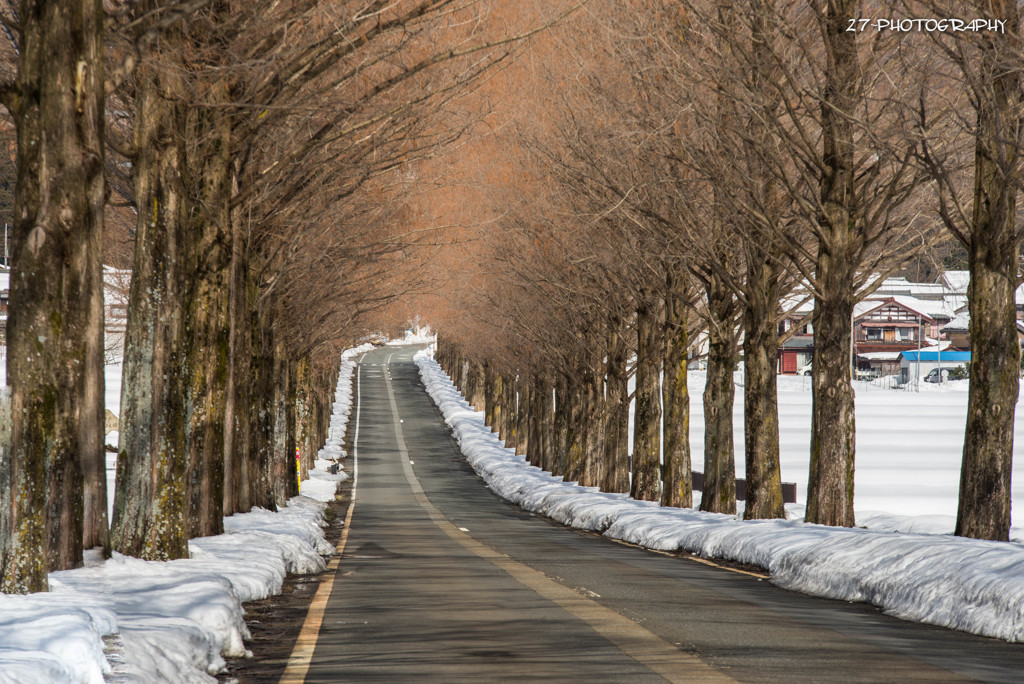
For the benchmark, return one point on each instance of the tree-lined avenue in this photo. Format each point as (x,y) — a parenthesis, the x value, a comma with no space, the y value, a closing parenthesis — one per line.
(443,581)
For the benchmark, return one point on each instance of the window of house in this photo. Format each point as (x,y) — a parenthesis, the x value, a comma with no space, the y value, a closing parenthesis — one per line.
(874,333)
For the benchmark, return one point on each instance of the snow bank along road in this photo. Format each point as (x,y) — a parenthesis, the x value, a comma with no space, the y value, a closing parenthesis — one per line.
(441,580)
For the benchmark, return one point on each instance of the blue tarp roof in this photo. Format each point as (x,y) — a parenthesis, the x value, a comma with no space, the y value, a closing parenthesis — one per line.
(934,356)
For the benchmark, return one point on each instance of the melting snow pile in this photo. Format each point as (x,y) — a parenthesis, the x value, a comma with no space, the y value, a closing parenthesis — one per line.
(322,483)
(171,621)
(971,585)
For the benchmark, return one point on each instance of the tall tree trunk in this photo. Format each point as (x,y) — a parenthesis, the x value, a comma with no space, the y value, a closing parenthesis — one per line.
(983,511)
(593,438)
(523,433)
(616,442)
(488,395)
(543,425)
(719,493)
(207,336)
(492,389)
(325,402)
(305,401)
(476,386)
(445,354)
(760,342)
(833,435)
(561,437)
(507,399)
(237,416)
(833,432)
(677,488)
(261,407)
(546,424)
(647,414)
(760,396)
(508,409)
(535,444)
(55,330)
(284,475)
(575,429)
(452,361)
(235,397)
(150,507)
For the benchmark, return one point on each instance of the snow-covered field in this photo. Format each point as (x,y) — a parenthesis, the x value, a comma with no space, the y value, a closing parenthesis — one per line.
(908,452)
(909,447)
(147,621)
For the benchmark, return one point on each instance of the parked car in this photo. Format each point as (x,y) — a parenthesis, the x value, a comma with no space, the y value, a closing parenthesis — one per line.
(806,370)
(933,375)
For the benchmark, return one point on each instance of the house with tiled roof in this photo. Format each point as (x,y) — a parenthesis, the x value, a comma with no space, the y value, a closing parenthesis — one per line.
(884,328)
(958,331)
(797,334)
(898,316)
(955,282)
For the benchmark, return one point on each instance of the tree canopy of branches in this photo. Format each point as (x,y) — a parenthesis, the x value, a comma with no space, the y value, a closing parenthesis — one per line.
(663,177)
(267,144)
(766,153)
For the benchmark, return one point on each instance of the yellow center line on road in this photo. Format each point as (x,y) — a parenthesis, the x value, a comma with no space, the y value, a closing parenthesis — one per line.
(696,559)
(302,654)
(642,645)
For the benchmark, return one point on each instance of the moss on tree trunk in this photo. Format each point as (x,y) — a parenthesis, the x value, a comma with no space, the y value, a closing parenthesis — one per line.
(830,480)
(760,397)
(646,483)
(150,508)
(593,426)
(207,334)
(719,493)
(833,429)
(983,509)
(616,416)
(55,330)
(678,470)
(522,438)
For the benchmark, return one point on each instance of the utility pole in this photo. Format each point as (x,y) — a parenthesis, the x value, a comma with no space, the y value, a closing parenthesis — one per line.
(920,335)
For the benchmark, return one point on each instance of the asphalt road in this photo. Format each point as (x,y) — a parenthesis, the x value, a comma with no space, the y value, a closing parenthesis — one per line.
(442,581)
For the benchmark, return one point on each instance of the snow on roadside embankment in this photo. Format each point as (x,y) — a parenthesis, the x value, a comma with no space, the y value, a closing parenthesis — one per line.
(322,484)
(172,621)
(970,585)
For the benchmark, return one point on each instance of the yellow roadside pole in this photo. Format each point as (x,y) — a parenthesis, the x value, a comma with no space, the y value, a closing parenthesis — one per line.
(298,469)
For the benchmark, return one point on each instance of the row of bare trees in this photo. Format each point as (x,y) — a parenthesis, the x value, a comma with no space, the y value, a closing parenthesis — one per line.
(702,168)
(264,148)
